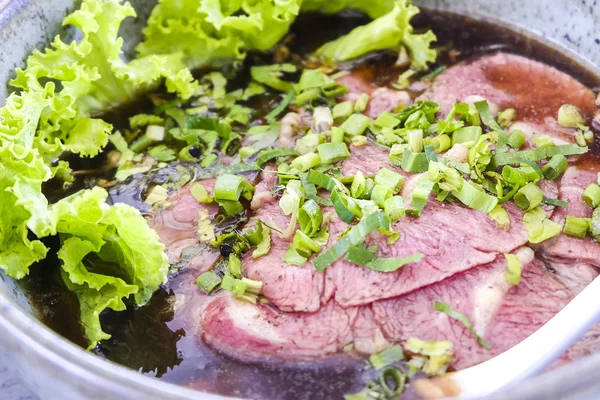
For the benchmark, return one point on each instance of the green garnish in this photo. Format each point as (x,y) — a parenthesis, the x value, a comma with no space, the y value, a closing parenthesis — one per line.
(446,309)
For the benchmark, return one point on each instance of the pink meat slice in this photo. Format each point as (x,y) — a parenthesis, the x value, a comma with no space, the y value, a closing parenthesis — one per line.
(563,247)
(534,89)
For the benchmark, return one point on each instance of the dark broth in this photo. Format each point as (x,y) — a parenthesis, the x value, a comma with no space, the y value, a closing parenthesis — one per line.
(151,341)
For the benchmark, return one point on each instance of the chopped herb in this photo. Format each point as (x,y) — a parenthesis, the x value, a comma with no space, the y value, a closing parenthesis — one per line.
(446,309)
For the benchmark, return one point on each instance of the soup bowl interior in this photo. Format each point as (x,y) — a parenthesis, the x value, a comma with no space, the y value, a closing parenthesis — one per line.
(53,367)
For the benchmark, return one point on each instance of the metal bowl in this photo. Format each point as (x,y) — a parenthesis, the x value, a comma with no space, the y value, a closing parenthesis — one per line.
(54,368)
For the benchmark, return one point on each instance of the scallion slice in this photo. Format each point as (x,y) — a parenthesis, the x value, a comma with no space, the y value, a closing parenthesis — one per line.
(208,281)
(387,357)
(467,134)
(380,194)
(235,266)
(529,197)
(229,187)
(414,162)
(513,269)
(446,309)
(270,154)
(538,154)
(591,195)
(394,208)
(360,256)
(306,162)
(386,120)
(576,227)
(539,227)
(388,178)
(342,111)
(356,124)
(272,116)
(516,140)
(310,217)
(333,152)
(556,166)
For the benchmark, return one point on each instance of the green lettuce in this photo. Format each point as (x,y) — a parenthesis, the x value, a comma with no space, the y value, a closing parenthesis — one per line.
(216,32)
(108,253)
(388,32)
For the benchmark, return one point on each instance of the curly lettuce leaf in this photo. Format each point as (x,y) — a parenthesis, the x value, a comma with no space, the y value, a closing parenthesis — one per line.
(216,32)
(388,32)
(93,77)
(108,254)
(373,8)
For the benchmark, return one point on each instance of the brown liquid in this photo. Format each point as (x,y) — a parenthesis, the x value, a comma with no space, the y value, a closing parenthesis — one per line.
(151,341)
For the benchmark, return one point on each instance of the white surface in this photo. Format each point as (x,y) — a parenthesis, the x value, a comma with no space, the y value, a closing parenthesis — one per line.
(11,387)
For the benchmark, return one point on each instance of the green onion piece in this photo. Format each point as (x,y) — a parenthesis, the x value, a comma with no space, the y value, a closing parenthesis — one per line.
(245,289)
(235,266)
(321,180)
(420,195)
(229,187)
(304,245)
(394,208)
(307,96)
(270,154)
(388,178)
(230,207)
(358,141)
(467,134)
(264,246)
(588,136)
(208,281)
(380,194)
(356,124)
(342,111)
(486,116)
(233,285)
(141,144)
(363,257)
(354,236)
(308,143)
(500,217)
(361,103)
(441,143)
(306,162)
(272,116)
(269,75)
(387,357)
(341,205)
(543,140)
(208,160)
(595,225)
(506,117)
(231,145)
(538,154)
(539,227)
(322,119)
(331,153)
(569,116)
(312,78)
(386,120)
(334,89)
(513,269)
(446,309)
(475,198)
(555,167)
(398,378)
(414,162)
(311,192)
(337,135)
(577,227)
(591,195)
(254,235)
(529,196)
(359,185)
(292,257)
(415,140)
(556,202)
(516,140)
(198,191)
(430,153)
(310,217)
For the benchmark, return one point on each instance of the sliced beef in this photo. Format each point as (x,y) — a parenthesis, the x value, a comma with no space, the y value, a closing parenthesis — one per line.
(534,89)
(563,247)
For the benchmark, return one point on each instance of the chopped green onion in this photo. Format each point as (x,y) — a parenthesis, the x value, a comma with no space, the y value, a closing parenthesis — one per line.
(420,195)
(595,225)
(308,143)
(331,153)
(321,180)
(415,140)
(414,162)
(363,257)
(359,185)
(386,120)
(486,116)
(446,309)
(356,124)
(272,116)
(538,154)
(235,266)
(361,103)
(304,245)
(310,217)
(577,227)
(208,281)
(467,134)
(245,289)
(396,376)
(591,195)
(358,141)
(229,187)
(387,357)
(307,96)
(556,202)
(391,179)
(341,206)
(569,116)
(337,135)
(513,269)
(394,208)
(555,167)
(543,140)
(516,140)
(269,154)
(354,236)
(506,117)
(292,257)
(233,285)
(342,111)
(269,75)
(264,246)
(322,119)
(306,162)
(380,194)
(500,217)
(529,196)
(198,191)
(539,227)
(441,143)
(473,197)
(231,144)
(429,347)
